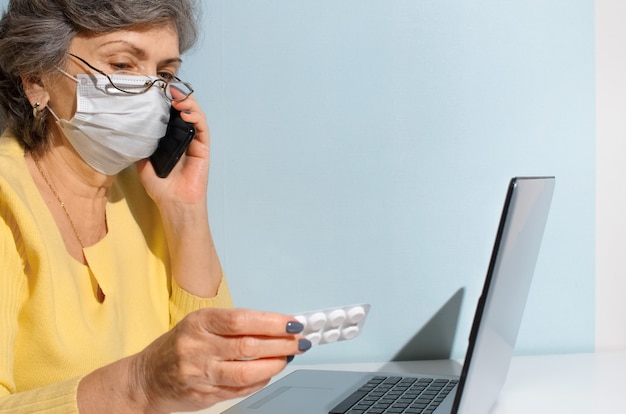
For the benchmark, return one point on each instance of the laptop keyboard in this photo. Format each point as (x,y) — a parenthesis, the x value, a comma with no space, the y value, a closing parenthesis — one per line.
(386,395)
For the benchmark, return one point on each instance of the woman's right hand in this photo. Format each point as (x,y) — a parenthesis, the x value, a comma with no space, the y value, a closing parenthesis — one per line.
(210,356)
(214,355)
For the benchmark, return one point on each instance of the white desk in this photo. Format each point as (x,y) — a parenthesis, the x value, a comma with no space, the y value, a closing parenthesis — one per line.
(577,383)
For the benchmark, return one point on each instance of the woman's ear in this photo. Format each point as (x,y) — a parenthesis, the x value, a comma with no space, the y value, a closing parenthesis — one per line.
(35,92)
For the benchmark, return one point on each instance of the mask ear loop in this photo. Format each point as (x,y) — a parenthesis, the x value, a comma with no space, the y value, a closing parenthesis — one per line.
(53,114)
(75,79)
(38,109)
(37,105)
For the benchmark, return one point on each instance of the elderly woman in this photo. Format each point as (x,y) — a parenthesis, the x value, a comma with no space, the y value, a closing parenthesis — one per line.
(112,298)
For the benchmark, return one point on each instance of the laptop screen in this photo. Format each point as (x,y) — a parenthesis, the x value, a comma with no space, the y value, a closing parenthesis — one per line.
(501,305)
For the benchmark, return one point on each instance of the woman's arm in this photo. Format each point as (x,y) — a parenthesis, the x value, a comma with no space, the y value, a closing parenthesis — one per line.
(194,262)
(182,202)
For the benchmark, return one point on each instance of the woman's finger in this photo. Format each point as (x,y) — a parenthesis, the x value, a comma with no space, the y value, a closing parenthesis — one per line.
(240,334)
(191,112)
(244,322)
(242,374)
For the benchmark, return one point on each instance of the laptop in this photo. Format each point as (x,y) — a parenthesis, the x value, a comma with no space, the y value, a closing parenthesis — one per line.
(492,338)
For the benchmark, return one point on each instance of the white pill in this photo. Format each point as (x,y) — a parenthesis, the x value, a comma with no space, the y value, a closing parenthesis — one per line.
(356,314)
(333,324)
(331,335)
(317,321)
(350,332)
(336,317)
(315,338)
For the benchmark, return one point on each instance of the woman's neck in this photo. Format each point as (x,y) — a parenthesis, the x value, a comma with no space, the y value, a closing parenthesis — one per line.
(75,194)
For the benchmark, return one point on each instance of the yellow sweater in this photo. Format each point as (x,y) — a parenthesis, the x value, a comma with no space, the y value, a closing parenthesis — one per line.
(53,330)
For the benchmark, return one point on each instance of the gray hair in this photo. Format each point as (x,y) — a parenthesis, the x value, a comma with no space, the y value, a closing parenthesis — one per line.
(35,36)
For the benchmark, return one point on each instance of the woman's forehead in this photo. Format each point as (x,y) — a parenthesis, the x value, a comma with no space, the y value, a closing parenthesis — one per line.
(155,43)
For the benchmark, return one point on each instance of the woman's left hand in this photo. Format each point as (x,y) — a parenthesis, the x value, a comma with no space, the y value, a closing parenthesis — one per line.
(187,183)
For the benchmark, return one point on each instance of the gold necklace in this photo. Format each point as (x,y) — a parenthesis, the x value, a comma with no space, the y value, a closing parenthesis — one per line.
(56,195)
(99,293)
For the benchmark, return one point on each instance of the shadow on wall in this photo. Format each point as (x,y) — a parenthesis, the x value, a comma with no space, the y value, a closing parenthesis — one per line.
(436,338)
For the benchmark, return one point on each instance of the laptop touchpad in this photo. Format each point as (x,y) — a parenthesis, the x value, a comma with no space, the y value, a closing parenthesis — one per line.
(289,396)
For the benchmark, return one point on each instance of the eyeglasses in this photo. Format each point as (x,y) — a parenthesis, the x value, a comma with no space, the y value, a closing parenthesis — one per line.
(120,82)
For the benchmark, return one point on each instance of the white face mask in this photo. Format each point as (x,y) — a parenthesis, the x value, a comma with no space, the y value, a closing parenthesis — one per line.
(112,130)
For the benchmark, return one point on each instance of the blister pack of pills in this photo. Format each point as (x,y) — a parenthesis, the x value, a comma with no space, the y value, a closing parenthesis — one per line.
(333,324)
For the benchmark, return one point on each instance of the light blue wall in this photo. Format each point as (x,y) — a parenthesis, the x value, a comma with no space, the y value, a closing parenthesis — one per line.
(361,151)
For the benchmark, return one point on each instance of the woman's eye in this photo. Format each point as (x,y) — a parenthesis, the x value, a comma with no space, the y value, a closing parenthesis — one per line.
(120,67)
(166,76)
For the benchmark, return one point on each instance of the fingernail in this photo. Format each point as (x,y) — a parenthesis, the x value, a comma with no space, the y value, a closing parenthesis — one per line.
(294,327)
(304,345)
(290,358)
(186,112)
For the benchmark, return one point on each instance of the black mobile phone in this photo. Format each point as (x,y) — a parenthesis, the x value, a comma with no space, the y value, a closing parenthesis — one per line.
(173,144)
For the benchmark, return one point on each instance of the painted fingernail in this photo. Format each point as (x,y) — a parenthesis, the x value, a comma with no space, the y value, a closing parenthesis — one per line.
(304,345)
(290,358)
(186,112)
(294,327)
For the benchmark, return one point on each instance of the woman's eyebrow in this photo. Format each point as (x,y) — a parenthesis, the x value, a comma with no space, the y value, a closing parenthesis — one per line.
(135,49)
(141,53)
(171,60)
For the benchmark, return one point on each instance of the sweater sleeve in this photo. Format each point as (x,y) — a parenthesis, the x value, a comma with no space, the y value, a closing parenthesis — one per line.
(54,398)
(182,302)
